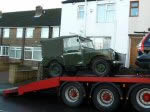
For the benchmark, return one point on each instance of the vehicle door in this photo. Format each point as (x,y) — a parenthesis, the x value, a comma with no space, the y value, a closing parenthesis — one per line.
(72,52)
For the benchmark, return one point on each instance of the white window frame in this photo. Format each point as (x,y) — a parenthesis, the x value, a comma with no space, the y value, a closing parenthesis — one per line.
(18,34)
(15,50)
(81,11)
(106,19)
(28,50)
(28,34)
(32,50)
(55,28)
(1,51)
(43,32)
(39,50)
(6,30)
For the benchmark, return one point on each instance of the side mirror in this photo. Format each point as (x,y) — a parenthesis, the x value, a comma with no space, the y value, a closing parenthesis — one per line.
(77,40)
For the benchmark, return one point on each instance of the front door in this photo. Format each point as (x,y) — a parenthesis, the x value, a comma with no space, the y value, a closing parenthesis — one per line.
(72,52)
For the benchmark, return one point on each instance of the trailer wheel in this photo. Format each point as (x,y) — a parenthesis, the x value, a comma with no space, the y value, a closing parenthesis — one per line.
(140,98)
(101,67)
(55,69)
(106,98)
(72,94)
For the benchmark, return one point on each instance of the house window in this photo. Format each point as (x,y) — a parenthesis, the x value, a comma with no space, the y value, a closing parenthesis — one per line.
(101,42)
(33,53)
(19,32)
(55,32)
(81,12)
(28,53)
(105,12)
(6,33)
(15,52)
(37,53)
(12,52)
(29,32)
(4,50)
(134,8)
(44,32)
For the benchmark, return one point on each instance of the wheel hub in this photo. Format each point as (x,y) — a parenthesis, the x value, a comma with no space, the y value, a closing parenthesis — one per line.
(146,97)
(100,67)
(143,97)
(106,97)
(72,94)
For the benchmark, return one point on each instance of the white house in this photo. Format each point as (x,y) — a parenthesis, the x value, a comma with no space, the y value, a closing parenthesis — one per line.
(104,21)
(139,19)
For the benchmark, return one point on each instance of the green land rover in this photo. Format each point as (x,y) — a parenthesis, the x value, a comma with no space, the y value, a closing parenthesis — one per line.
(69,54)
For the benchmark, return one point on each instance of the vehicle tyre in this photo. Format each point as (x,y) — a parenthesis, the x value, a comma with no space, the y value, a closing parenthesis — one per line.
(73,94)
(55,69)
(101,67)
(140,98)
(106,98)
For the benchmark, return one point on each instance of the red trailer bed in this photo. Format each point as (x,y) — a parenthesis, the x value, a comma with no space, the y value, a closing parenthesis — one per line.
(55,82)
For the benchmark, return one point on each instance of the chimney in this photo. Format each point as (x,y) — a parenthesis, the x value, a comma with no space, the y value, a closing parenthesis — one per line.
(1,14)
(39,11)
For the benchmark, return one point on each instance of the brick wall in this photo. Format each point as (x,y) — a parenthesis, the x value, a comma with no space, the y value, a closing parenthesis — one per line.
(30,42)
(13,41)
(36,38)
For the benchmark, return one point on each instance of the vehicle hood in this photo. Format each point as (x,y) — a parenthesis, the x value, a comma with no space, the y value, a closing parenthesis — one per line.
(109,53)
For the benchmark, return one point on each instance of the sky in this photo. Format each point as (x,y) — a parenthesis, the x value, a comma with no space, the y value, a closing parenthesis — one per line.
(22,5)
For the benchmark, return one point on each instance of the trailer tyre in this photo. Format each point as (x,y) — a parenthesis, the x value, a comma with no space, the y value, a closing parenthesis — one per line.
(101,67)
(106,98)
(140,98)
(73,94)
(55,69)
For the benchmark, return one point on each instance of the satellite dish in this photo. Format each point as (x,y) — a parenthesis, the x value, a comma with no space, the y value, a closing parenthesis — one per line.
(39,11)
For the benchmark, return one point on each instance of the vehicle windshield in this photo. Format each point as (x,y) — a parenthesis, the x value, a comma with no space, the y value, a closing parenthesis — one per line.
(87,43)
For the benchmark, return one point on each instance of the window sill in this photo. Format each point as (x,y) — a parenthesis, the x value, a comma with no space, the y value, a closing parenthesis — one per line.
(44,38)
(133,16)
(19,37)
(6,38)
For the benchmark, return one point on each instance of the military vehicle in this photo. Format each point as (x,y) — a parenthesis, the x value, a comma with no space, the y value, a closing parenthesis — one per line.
(69,54)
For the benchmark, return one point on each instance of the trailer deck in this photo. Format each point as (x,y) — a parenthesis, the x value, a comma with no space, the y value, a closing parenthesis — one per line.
(56,82)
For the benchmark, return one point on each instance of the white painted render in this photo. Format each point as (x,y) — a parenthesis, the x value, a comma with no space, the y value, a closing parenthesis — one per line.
(117,30)
(142,22)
